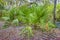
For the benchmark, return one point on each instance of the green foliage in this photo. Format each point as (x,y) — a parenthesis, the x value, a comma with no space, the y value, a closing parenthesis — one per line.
(1,7)
(27,31)
(58,12)
(5,18)
(30,15)
(15,22)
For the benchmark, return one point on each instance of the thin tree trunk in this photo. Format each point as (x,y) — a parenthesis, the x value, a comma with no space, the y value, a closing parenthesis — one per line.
(54,14)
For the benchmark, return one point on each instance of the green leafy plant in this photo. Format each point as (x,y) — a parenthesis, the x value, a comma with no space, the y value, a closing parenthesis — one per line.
(30,15)
(58,13)
(27,31)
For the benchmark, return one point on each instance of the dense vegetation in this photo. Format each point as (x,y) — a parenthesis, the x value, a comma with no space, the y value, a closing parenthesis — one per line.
(32,16)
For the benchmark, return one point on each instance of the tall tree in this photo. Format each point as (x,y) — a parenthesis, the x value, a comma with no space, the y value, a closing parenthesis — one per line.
(54,14)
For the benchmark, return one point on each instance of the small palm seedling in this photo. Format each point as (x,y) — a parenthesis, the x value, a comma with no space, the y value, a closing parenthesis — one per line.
(27,32)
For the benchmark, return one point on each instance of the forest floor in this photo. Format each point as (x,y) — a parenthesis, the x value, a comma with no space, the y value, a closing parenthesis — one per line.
(13,33)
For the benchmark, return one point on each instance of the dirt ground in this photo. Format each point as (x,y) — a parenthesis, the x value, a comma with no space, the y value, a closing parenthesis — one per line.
(13,33)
